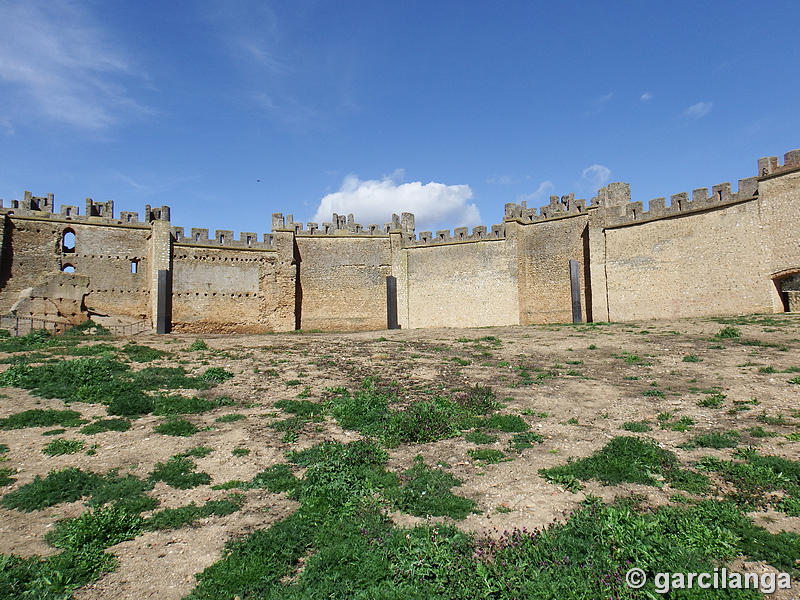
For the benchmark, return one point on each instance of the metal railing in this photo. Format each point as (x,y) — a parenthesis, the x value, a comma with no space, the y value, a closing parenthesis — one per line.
(23,325)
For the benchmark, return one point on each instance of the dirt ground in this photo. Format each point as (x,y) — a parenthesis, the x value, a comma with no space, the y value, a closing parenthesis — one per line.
(591,387)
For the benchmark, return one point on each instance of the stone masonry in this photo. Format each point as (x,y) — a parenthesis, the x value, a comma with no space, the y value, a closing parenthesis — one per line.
(718,252)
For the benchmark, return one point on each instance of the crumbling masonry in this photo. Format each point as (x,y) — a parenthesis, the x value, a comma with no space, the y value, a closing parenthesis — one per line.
(718,253)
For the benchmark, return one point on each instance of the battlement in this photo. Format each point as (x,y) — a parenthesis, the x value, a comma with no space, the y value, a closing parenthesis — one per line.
(618,213)
(44,207)
(558,207)
(223,238)
(344,225)
(769,165)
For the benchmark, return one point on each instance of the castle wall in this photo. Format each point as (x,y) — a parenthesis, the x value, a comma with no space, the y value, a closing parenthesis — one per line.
(544,250)
(103,253)
(343,281)
(709,262)
(222,289)
(461,284)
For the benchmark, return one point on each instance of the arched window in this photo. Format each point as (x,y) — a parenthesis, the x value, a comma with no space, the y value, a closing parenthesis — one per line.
(68,269)
(68,240)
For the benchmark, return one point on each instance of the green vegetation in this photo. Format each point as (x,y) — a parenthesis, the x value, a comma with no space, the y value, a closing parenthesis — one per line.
(479,437)
(714,400)
(173,518)
(231,418)
(181,405)
(216,374)
(63,446)
(38,417)
(487,455)
(424,491)
(103,425)
(197,345)
(690,358)
(713,440)
(138,353)
(179,472)
(637,426)
(683,424)
(729,332)
(5,476)
(521,441)
(176,427)
(240,451)
(630,459)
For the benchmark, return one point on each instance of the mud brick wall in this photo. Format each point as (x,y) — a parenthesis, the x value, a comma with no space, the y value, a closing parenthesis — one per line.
(342,281)
(104,253)
(216,289)
(461,284)
(545,249)
(694,264)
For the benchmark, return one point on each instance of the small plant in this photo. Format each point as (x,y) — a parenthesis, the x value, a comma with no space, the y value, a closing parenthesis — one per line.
(103,425)
(691,358)
(425,491)
(714,400)
(713,440)
(653,393)
(479,437)
(506,423)
(231,418)
(240,451)
(197,345)
(176,427)
(5,476)
(487,456)
(729,332)
(63,446)
(521,441)
(637,426)
(178,472)
(216,374)
(760,432)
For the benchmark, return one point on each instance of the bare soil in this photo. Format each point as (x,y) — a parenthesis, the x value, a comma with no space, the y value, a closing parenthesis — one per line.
(592,390)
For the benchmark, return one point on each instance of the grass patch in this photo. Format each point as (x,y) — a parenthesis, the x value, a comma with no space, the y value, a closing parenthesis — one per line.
(637,426)
(714,400)
(426,492)
(691,358)
(176,427)
(713,440)
(38,417)
(103,425)
(179,472)
(729,332)
(197,345)
(479,437)
(182,405)
(231,418)
(522,441)
(487,455)
(63,446)
(626,459)
(174,518)
(142,354)
(216,374)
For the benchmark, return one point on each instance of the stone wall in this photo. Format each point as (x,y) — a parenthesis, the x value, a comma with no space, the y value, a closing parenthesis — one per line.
(708,252)
(342,281)
(461,284)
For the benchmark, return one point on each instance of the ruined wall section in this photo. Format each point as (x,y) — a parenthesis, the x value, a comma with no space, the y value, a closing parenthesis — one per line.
(701,255)
(222,289)
(104,250)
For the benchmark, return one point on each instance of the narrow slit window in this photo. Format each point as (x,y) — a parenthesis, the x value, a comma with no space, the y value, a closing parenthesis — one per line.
(134,266)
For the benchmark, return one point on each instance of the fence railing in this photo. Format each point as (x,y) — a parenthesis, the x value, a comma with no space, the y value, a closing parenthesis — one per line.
(23,325)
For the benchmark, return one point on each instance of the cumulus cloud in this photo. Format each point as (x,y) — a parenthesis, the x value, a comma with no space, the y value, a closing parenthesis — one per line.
(646,97)
(594,177)
(435,205)
(64,63)
(699,110)
(541,193)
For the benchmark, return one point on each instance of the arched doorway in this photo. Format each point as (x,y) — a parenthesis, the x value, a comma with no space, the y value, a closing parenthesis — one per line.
(788,286)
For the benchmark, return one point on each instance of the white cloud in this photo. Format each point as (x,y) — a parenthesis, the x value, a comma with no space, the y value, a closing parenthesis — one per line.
(594,177)
(646,97)
(435,205)
(699,110)
(65,65)
(541,193)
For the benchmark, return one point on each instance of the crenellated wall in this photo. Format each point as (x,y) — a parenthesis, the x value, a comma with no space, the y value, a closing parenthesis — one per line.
(708,252)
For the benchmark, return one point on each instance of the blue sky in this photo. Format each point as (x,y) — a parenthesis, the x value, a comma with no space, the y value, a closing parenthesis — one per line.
(229,111)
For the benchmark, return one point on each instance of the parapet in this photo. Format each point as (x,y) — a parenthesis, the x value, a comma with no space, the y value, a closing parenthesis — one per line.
(769,165)
(721,194)
(460,234)
(344,225)
(222,238)
(44,207)
(558,207)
